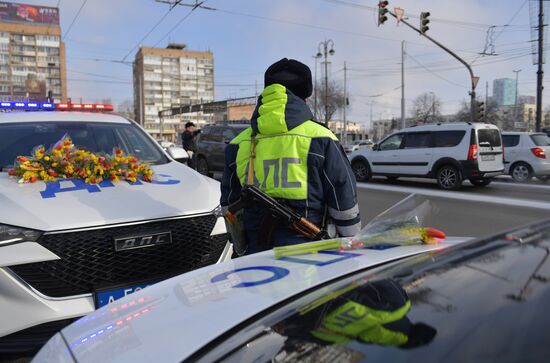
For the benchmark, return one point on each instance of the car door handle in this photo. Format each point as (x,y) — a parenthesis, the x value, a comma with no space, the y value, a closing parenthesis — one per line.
(427,154)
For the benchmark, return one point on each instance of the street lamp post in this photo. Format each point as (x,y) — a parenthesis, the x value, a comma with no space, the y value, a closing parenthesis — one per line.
(317,56)
(324,51)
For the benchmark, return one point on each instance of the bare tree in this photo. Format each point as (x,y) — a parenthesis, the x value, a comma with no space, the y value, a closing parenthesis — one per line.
(126,108)
(492,116)
(426,108)
(334,99)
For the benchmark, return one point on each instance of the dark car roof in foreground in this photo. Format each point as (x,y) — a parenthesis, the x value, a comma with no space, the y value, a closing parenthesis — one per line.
(483,301)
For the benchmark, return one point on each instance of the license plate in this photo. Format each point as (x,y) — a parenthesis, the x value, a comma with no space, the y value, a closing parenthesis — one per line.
(487,157)
(105,297)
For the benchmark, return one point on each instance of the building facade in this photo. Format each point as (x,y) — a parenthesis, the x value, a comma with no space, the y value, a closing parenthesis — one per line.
(504,91)
(171,77)
(32,55)
(354,131)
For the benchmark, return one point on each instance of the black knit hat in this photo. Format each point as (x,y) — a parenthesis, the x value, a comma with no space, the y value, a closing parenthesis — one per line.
(292,74)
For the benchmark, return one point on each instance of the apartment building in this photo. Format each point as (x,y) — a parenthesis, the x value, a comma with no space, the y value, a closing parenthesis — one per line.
(170,77)
(504,91)
(32,55)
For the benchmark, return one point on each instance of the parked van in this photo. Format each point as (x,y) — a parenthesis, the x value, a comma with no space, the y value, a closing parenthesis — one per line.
(450,153)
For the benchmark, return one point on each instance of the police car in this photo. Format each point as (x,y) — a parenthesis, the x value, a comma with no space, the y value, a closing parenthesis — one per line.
(67,247)
(460,301)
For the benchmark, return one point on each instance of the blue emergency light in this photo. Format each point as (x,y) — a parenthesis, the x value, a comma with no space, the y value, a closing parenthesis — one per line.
(27,106)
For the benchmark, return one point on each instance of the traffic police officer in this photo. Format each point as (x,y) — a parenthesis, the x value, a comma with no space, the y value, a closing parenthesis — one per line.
(297,161)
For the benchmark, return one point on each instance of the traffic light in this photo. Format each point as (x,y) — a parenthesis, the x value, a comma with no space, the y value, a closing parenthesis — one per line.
(424,21)
(382,11)
(480,110)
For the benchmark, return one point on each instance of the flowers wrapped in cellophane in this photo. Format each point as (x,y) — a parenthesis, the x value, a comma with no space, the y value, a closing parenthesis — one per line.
(402,224)
(64,161)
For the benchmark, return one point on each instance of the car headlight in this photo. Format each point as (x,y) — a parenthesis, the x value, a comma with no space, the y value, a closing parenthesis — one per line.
(10,234)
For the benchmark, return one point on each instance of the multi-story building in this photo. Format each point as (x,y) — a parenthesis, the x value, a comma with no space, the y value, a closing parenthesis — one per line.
(354,130)
(527,99)
(32,55)
(169,77)
(504,91)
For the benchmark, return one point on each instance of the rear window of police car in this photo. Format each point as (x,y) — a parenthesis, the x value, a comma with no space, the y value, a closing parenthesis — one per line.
(452,310)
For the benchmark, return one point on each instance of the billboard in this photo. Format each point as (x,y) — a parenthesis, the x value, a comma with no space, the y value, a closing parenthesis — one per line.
(23,13)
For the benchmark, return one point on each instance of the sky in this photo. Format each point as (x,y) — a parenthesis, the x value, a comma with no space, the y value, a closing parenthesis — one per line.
(246,36)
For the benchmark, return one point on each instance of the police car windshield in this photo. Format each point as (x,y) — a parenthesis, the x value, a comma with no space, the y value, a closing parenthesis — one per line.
(21,138)
(485,301)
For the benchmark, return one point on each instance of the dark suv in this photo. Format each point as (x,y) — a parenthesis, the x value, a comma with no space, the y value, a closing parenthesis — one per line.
(211,146)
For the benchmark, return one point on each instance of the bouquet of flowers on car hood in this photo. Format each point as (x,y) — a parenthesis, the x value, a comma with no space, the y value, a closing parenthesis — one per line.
(402,224)
(64,161)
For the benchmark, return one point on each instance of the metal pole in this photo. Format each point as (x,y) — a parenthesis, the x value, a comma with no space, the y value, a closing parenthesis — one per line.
(472,81)
(516,98)
(540,71)
(326,83)
(486,93)
(371,113)
(315,91)
(402,84)
(345,136)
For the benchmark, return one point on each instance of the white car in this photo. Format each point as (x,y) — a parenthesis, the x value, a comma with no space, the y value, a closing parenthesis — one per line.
(357,145)
(225,313)
(526,155)
(362,144)
(67,247)
(450,153)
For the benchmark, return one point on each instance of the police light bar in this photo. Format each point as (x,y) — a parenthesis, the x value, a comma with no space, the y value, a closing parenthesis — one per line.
(44,106)
(83,107)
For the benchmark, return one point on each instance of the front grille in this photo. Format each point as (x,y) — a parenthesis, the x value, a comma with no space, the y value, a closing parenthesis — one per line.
(89,261)
(31,339)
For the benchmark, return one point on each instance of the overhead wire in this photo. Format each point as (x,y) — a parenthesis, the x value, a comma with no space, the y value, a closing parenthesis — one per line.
(75,17)
(317,27)
(434,19)
(504,28)
(434,73)
(147,34)
(182,19)
(96,75)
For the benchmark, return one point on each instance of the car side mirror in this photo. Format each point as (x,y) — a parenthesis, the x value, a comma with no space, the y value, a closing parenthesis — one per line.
(226,140)
(375,147)
(178,153)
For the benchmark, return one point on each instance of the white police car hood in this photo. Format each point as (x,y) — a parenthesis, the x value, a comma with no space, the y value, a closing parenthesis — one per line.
(67,204)
(172,320)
